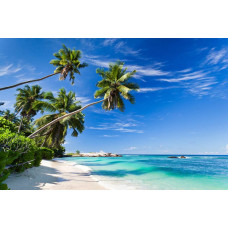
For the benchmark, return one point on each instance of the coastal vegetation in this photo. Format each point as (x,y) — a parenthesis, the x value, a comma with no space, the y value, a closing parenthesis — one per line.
(25,139)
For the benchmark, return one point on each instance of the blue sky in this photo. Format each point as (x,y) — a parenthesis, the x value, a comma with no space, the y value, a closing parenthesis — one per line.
(182,107)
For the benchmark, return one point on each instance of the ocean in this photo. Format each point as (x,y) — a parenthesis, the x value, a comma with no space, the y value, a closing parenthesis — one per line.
(158,172)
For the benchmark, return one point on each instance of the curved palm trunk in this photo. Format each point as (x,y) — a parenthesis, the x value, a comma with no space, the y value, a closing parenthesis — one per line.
(19,129)
(62,117)
(22,83)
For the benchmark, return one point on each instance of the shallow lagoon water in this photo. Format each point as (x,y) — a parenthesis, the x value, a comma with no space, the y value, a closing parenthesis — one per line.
(158,172)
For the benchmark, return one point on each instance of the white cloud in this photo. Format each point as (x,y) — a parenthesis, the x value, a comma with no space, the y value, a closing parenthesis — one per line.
(124,49)
(109,42)
(152,89)
(9,69)
(215,56)
(84,100)
(141,70)
(97,62)
(185,77)
(110,136)
(127,126)
(127,130)
(147,71)
(185,70)
(120,129)
(131,148)
(120,47)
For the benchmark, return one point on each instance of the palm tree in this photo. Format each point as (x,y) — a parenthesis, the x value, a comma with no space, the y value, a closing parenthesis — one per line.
(114,86)
(10,116)
(54,135)
(25,101)
(67,62)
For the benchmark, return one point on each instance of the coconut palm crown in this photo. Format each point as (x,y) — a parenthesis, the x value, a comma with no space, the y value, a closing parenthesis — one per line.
(26,99)
(64,103)
(25,102)
(68,62)
(115,85)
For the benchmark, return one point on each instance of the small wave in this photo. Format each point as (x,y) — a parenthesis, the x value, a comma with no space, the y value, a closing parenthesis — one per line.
(83,167)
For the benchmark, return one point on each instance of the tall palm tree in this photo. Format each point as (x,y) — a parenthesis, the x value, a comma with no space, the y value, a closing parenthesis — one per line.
(25,101)
(54,135)
(114,86)
(67,62)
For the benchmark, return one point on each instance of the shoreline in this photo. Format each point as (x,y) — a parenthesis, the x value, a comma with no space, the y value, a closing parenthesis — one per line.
(55,175)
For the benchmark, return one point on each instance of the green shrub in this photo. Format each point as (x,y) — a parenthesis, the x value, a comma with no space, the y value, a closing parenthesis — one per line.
(3,173)
(59,152)
(6,124)
(17,153)
(47,153)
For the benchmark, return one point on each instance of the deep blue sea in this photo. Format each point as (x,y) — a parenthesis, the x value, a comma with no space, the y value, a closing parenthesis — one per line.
(158,172)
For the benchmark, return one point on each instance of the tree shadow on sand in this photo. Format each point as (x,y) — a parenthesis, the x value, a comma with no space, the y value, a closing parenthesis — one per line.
(31,181)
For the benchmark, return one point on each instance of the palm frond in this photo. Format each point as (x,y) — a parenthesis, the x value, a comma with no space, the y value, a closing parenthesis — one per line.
(101,92)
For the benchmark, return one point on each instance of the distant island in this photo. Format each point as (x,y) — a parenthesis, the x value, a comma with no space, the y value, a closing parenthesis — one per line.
(92,154)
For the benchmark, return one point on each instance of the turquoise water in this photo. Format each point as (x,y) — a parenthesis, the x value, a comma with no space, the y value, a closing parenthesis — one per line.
(159,172)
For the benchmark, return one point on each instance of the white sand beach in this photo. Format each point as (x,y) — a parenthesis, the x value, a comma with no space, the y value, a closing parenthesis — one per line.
(54,175)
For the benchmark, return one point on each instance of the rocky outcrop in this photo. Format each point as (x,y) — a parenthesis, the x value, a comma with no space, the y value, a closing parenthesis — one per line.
(100,154)
(177,157)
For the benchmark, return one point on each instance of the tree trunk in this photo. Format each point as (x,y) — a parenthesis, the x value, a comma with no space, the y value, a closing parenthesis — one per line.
(44,142)
(62,117)
(19,129)
(22,83)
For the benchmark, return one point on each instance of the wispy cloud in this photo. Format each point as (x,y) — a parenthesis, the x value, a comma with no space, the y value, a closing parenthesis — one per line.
(131,148)
(83,100)
(151,89)
(201,88)
(110,136)
(147,70)
(114,128)
(9,69)
(185,77)
(141,70)
(185,70)
(127,126)
(109,42)
(96,61)
(196,82)
(121,46)
(214,57)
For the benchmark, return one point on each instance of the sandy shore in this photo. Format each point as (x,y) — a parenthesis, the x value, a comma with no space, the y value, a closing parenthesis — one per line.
(54,175)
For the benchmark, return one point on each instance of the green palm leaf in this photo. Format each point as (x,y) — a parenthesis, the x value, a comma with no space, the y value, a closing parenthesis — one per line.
(115,85)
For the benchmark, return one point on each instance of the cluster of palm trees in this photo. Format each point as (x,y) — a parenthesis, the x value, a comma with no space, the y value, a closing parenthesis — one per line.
(65,111)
